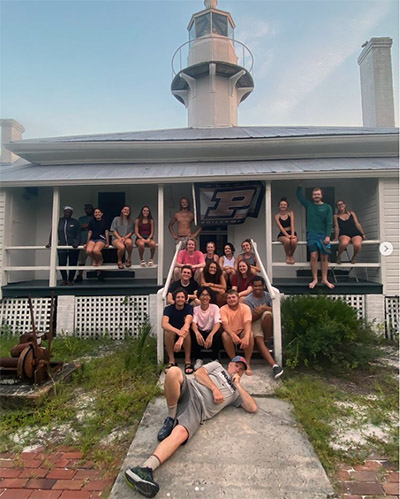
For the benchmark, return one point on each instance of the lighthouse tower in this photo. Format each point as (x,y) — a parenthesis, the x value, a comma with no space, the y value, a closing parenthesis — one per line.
(217,76)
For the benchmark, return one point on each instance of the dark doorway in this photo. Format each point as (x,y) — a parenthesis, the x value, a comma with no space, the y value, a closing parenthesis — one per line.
(217,234)
(110,204)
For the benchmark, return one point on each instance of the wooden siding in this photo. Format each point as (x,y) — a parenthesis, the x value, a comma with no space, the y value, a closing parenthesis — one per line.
(2,225)
(389,191)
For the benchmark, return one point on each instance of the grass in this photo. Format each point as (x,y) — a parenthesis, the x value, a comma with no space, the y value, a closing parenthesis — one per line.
(107,397)
(346,414)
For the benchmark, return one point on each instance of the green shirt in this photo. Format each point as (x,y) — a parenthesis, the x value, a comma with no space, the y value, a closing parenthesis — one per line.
(319,216)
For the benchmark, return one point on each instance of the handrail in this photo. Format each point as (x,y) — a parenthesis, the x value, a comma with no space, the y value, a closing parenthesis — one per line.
(161,297)
(171,270)
(246,52)
(276,307)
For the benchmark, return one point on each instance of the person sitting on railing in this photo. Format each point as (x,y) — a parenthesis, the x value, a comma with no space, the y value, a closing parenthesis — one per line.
(347,230)
(260,304)
(98,237)
(187,283)
(68,234)
(210,255)
(242,282)
(184,219)
(319,228)
(144,231)
(84,221)
(227,263)
(192,257)
(236,325)
(212,277)
(176,322)
(249,257)
(206,326)
(122,230)
(287,235)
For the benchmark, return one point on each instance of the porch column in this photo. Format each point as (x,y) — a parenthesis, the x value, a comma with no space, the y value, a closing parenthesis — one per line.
(268,229)
(54,238)
(160,266)
(382,233)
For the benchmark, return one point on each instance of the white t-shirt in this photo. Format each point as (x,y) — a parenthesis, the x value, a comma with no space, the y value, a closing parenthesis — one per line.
(206,319)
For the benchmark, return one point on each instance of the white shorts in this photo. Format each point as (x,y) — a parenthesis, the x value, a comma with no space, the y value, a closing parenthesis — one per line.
(256,325)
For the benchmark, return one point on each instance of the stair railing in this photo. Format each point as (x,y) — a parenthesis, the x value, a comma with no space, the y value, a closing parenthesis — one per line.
(276,307)
(161,303)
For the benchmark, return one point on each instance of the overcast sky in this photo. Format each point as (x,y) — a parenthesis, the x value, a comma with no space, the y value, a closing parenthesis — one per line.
(96,66)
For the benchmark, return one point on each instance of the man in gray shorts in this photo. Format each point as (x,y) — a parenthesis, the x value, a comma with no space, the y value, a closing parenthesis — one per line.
(191,402)
(260,304)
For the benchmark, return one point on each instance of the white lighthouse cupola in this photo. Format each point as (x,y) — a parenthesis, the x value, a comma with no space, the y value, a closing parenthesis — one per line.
(217,76)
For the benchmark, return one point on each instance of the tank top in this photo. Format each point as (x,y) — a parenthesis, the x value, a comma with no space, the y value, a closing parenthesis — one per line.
(285,223)
(209,260)
(251,260)
(145,230)
(348,227)
(228,263)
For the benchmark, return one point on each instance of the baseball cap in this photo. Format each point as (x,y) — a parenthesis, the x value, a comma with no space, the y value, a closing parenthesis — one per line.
(241,359)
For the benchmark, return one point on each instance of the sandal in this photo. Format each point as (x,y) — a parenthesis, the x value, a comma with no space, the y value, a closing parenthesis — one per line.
(169,365)
(142,263)
(189,369)
(128,263)
(150,264)
(120,265)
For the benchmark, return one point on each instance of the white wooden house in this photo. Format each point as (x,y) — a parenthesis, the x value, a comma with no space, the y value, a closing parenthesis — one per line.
(357,164)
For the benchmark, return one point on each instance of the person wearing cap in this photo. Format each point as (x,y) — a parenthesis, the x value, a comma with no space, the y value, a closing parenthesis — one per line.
(236,325)
(190,403)
(260,304)
(84,221)
(69,234)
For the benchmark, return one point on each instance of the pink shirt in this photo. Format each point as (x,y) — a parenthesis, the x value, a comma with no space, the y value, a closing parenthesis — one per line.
(186,258)
(236,319)
(206,319)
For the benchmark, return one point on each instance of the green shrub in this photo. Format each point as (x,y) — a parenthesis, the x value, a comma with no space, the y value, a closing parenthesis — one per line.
(319,331)
(141,352)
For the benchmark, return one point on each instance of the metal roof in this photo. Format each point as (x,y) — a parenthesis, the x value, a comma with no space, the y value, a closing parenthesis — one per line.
(24,173)
(176,134)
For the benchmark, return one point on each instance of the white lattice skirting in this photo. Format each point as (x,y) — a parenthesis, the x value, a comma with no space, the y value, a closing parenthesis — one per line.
(392,316)
(112,316)
(15,315)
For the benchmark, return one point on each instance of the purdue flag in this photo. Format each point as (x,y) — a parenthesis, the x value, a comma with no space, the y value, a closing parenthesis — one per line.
(228,203)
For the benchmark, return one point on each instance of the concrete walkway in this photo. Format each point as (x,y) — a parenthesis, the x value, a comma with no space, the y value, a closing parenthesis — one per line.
(236,454)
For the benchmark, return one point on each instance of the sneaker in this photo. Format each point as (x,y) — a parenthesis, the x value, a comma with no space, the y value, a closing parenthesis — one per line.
(141,479)
(277,371)
(167,427)
(198,364)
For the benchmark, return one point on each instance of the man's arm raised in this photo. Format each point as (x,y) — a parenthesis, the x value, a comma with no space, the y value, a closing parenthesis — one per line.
(248,403)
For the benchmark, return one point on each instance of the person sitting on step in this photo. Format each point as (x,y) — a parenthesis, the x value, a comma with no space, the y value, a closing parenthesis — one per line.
(213,278)
(347,230)
(187,283)
(192,257)
(287,235)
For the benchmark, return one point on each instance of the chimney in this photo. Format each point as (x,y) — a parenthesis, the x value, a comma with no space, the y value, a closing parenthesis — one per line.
(376,83)
(10,130)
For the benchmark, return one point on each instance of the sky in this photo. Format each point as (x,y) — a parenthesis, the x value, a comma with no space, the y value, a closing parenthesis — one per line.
(103,66)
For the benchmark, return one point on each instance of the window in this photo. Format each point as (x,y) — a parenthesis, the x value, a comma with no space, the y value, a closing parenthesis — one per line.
(202,25)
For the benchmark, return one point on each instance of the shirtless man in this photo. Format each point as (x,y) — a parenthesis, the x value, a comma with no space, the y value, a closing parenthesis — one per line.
(184,219)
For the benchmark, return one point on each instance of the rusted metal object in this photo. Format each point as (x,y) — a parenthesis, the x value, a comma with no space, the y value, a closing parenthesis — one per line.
(30,361)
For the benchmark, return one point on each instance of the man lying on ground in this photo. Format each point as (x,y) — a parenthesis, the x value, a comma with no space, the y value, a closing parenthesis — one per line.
(191,402)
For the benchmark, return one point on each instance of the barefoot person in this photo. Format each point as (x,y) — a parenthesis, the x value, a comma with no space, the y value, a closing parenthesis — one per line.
(287,235)
(122,230)
(184,219)
(347,230)
(236,325)
(260,304)
(190,403)
(319,228)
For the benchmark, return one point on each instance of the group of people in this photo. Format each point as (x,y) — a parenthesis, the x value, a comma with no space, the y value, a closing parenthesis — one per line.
(93,233)
(320,218)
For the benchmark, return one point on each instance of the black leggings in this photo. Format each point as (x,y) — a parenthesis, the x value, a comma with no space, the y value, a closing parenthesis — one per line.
(63,257)
(197,352)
